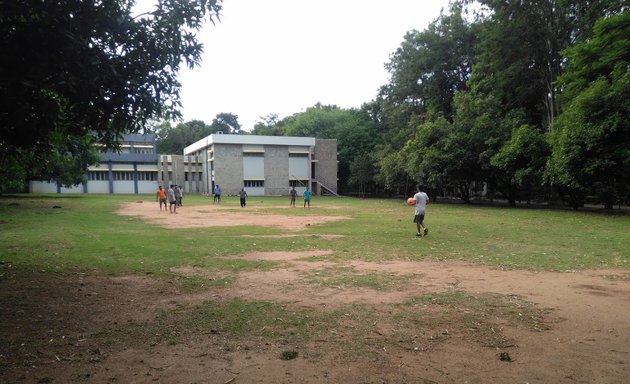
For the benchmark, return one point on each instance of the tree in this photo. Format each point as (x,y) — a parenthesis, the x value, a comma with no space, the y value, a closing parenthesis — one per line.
(354,130)
(427,70)
(361,172)
(225,123)
(431,65)
(520,51)
(521,163)
(269,126)
(77,71)
(65,162)
(591,142)
(175,139)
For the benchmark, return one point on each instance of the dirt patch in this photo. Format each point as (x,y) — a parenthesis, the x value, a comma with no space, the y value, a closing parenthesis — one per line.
(76,327)
(351,321)
(284,236)
(222,216)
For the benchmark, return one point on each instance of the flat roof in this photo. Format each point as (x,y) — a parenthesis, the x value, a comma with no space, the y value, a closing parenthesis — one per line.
(249,139)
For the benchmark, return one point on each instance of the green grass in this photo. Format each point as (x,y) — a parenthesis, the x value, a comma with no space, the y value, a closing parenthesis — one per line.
(481,317)
(235,319)
(86,234)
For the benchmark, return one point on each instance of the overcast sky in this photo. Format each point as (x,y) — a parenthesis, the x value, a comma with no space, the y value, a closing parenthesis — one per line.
(282,56)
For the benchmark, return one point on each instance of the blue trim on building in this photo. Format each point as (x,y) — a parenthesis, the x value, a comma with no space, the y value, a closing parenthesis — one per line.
(110,176)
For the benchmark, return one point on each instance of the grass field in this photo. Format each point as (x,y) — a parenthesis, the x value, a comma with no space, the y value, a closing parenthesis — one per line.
(85,234)
(83,288)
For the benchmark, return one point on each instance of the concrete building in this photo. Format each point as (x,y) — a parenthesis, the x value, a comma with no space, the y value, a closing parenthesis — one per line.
(186,171)
(266,165)
(133,170)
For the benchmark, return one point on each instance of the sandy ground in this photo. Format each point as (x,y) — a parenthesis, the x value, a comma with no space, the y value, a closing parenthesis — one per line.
(221,215)
(52,325)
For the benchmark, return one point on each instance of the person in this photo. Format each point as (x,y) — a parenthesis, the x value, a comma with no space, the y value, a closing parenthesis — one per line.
(161,197)
(293,194)
(422,199)
(172,200)
(181,195)
(243,195)
(307,197)
(217,194)
(178,195)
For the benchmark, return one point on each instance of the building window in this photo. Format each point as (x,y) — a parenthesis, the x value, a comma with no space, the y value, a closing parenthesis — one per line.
(253,154)
(147,176)
(298,154)
(254,183)
(123,175)
(97,175)
(298,183)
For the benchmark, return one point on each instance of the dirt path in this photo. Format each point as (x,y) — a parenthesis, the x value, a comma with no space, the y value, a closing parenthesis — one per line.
(223,216)
(575,326)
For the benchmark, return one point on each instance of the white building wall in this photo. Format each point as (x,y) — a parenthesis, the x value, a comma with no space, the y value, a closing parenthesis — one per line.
(98,186)
(255,191)
(73,189)
(43,187)
(123,186)
(146,186)
(147,167)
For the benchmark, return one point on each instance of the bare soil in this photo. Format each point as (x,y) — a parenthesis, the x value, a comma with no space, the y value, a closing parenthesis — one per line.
(503,326)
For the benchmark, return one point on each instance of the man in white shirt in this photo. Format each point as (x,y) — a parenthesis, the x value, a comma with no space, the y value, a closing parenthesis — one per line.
(422,199)
(172,200)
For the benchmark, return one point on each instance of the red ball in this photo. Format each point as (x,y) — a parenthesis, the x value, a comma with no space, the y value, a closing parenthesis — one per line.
(411,201)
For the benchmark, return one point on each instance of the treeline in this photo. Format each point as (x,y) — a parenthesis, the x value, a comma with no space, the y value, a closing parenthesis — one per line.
(521,100)
(516,100)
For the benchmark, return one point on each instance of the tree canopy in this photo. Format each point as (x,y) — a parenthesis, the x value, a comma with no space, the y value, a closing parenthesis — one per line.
(521,100)
(515,99)
(79,72)
(591,142)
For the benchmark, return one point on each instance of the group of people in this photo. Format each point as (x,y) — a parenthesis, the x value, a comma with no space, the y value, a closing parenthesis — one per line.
(306,195)
(173,195)
(216,192)
(242,194)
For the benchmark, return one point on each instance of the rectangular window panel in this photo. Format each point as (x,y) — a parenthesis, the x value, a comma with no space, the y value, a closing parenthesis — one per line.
(253,168)
(254,183)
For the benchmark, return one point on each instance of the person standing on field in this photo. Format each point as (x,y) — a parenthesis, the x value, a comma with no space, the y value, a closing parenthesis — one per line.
(293,194)
(172,200)
(178,195)
(422,199)
(307,198)
(243,195)
(161,197)
(217,194)
(181,195)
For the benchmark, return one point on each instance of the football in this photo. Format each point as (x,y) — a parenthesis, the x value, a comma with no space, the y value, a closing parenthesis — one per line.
(411,201)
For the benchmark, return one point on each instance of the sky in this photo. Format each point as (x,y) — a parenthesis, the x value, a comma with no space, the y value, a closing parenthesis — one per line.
(282,56)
